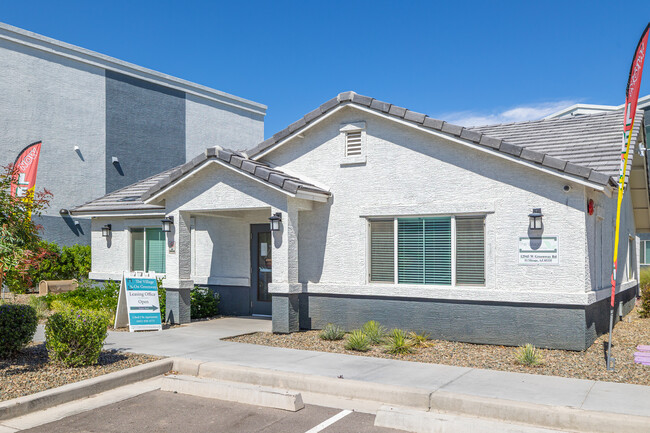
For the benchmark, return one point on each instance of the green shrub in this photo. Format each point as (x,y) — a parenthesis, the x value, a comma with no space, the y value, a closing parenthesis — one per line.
(51,263)
(332,332)
(528,355)
(17,328)
(75,338)
(162,299)
(203,303)
(374,331)
(644,282)
(420,340)
(358,341)
(40,306)
(88,296)
(398,342)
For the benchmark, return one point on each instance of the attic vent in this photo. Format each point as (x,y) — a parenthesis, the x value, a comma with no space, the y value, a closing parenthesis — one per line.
(353,144)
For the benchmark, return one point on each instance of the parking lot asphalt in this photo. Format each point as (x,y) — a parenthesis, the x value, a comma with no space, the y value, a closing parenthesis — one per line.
(160,411)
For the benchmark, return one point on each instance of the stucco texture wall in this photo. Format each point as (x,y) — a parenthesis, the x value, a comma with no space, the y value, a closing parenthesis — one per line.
(409,172)
(60,102)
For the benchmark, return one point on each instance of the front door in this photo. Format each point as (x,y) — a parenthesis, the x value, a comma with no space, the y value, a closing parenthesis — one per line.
(261,265)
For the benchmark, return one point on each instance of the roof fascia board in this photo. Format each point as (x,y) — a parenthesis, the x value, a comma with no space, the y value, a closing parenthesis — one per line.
(298,133)
(82,55)
(117,213)
(217,161)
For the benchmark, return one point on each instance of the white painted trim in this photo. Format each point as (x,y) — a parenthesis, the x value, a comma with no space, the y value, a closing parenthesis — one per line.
(442,135)
(116,276)
(88,57)
(461,293)
(176,183)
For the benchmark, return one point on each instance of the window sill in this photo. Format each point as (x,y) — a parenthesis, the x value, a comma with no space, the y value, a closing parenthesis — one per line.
(354,160)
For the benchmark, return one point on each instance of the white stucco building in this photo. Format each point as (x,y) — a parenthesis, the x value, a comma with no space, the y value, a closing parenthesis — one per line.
(391,215)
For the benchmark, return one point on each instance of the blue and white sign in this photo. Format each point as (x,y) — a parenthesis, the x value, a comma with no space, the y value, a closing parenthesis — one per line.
(138,304)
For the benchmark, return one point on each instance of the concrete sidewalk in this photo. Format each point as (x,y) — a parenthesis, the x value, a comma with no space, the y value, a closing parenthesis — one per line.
(202,341)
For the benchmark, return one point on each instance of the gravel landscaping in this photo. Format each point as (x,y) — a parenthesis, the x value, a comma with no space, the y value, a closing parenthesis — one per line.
(31,371)
(589,364)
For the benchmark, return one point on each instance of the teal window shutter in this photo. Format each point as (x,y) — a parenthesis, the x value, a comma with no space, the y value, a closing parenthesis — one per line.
(382,251)
(155,250)
(137,249)
(470,251)
(410,250)
(424,250)
(437,250)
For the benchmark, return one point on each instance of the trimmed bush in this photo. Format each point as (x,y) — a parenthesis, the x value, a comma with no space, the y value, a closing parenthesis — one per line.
(75,338)
(398,342)
(644,282)
(358,341)
(88,296)
(374,331)
(17,328)
(203,303)
(162,299)
(332,332)
(528,355)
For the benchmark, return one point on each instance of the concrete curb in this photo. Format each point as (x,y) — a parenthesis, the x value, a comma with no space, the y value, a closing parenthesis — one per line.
(85,388)
(488,409)
(349,389)
(237,392)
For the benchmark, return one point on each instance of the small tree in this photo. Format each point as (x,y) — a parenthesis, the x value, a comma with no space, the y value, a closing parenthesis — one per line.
(19,235)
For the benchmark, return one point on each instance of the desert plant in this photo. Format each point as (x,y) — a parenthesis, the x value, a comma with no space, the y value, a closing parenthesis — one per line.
(358,341)
(203,303)
(644,282)
(17,328)
(332,332)
(374,331)
(420,340)
(75,338)
(398,342)
(40,306)
(528,355)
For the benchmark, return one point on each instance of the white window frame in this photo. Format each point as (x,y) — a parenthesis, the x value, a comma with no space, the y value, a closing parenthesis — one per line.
(453,249)
(344,130)
(645,256)
(144,249)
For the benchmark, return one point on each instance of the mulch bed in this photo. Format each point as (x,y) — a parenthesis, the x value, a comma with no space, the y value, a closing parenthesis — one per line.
(589,364)
(31,371)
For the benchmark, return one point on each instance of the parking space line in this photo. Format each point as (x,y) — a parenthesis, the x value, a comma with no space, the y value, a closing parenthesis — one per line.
(329,422)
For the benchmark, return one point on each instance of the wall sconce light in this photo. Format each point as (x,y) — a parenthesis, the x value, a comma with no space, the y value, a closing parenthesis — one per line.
(167,224)
(106,230)
(535,219)
(276,219)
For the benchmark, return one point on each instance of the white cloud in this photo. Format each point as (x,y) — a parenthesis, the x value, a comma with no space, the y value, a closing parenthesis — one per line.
(516,114)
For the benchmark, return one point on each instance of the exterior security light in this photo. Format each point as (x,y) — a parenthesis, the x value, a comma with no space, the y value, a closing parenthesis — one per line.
(276,219)
(535,218)
(106,230)
(167,223)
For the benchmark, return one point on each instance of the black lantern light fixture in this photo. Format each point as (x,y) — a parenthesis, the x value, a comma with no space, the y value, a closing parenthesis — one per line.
(276,219)
(535,219)
(167,224)
(106,230)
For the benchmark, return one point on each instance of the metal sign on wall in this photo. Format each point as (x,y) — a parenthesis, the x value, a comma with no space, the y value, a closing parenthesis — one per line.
(543,250)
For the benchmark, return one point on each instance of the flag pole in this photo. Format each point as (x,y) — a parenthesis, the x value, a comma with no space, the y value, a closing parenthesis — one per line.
(631,100)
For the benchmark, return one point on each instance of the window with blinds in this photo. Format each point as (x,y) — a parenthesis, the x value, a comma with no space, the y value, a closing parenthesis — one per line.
(425,249)
(470,251)
(353,144)
(148,250)
(382,251)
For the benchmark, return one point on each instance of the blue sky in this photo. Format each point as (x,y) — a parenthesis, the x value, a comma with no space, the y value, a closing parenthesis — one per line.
(468,62)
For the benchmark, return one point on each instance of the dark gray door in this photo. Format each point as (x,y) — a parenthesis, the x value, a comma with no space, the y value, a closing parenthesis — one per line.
(261,269)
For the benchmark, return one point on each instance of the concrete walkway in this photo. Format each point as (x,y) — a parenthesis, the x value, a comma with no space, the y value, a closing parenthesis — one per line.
(202,341)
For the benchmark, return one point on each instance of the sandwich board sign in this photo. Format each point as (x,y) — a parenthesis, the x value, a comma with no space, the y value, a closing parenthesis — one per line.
(137,304)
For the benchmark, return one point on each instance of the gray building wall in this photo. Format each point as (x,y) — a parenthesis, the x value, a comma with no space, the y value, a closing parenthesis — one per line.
(66,96)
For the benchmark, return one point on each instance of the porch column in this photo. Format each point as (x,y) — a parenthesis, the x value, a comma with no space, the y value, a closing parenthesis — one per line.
(285,287)
(178,282)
